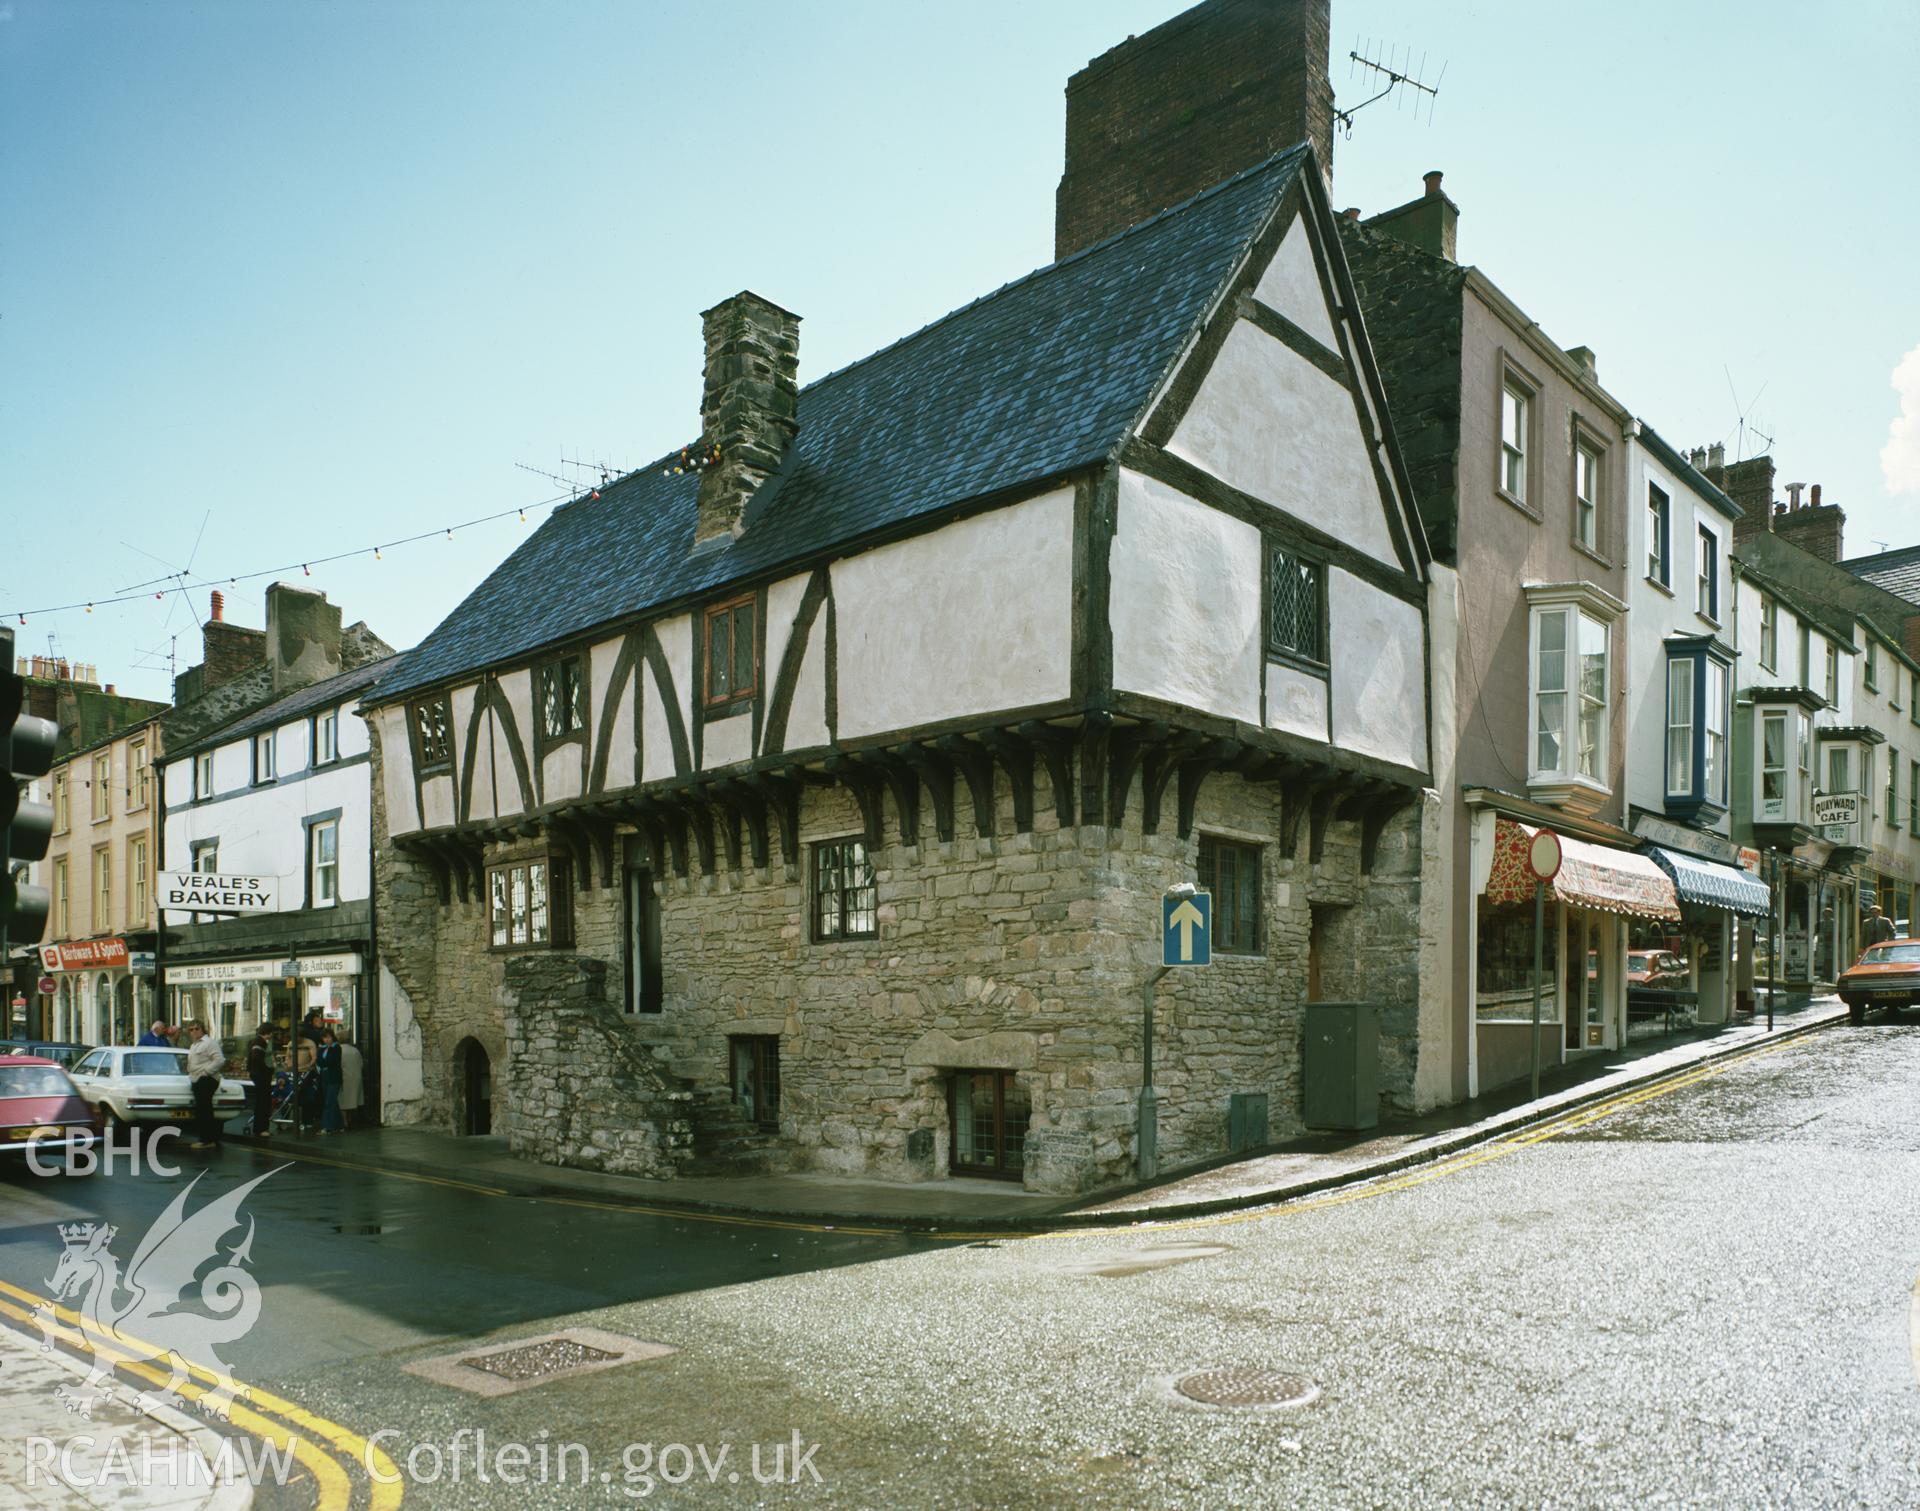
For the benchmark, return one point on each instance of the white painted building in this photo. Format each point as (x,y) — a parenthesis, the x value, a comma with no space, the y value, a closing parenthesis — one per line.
(275,810)
(1684,665)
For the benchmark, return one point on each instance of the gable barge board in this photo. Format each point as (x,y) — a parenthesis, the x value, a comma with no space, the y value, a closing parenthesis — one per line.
(1204,487)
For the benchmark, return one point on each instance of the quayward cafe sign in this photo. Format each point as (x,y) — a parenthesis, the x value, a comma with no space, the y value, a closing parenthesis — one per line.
(213,892)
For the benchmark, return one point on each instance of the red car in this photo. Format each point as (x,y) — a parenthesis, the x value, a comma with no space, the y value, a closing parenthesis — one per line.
(41,1110)
(1886,975)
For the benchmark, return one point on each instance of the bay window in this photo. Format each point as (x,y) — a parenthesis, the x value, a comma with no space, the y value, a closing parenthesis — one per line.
(1699,684)
(1680,727)
(1569,714)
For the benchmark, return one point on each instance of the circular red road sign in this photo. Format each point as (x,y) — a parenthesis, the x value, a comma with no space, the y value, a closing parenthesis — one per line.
(1543,855)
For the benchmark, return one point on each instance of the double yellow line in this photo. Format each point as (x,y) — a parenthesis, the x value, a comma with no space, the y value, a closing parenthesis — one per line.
(331,1453)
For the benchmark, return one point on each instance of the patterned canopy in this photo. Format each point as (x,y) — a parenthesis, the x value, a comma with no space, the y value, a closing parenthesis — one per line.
(1596,877)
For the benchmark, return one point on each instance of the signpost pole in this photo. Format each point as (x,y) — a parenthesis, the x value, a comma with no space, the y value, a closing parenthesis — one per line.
(1539,930)
(1147,1140)
(1773,939)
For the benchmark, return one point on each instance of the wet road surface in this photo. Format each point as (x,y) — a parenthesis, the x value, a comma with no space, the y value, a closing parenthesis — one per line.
(1706,1296)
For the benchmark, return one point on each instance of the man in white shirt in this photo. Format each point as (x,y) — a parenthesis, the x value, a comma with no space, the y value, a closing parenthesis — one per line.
(205,1060)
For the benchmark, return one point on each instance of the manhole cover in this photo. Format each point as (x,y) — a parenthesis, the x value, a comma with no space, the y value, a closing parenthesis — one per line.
(539,1359)
(1245,1387)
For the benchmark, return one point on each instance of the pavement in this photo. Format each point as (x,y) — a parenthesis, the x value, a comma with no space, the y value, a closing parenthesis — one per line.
(1280,1172)
(123,1452)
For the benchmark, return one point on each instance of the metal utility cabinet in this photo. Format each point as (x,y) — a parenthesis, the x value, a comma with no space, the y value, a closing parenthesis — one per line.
(1340,1069)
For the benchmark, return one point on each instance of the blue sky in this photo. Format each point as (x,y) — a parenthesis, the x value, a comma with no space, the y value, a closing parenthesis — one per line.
(316,276)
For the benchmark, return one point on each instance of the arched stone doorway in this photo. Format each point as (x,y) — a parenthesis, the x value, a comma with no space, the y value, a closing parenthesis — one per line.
(473,1089)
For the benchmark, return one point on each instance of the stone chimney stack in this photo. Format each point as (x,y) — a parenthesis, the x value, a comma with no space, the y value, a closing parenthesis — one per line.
(303,637)
(749,407)
(1177,109)
(1431,222)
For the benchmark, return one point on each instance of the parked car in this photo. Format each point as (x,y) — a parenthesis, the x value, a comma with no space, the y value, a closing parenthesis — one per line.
(132,1085)
(1656,968)
(1886,975)
(41,1109)
(58,1051)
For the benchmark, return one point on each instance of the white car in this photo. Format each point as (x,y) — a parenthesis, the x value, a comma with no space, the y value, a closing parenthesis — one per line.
(134,1085)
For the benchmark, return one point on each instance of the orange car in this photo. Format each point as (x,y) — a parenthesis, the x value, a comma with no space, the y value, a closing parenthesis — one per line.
(1886,975)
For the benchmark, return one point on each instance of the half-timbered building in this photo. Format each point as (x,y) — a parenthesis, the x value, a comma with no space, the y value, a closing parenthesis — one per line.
(805,799)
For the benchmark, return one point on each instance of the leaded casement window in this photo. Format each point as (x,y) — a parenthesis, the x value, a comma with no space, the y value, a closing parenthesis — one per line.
(1516,412)
(1586,495)
(1769,631)
(1570,695)
(1230,870)
(265,757)
(845,894)
(732,653)
(325,881)
(527,904)
(563,698)
(1659,526)
(1706,583)
(432,734)
(1296,606)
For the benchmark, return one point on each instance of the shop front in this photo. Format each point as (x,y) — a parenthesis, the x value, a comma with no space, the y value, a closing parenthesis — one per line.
(233,997)
(1600,892)
(1716,898)
(103,992)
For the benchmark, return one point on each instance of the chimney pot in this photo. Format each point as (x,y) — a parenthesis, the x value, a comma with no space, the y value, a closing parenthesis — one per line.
(110,689)
(1813,498)
(1352,212)
(1432,180)
(1717,454)
(1793,494)
(219,605)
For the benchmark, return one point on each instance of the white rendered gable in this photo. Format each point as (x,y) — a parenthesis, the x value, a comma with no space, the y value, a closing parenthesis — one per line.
(1291,286)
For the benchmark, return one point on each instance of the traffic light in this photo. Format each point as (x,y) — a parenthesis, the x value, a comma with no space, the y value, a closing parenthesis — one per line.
(26,752)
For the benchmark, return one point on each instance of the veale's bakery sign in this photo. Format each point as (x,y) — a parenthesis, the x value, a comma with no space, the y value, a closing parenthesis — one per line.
(212,892)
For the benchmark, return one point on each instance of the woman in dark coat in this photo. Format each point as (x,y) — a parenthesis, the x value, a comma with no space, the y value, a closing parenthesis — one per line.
(330,1078)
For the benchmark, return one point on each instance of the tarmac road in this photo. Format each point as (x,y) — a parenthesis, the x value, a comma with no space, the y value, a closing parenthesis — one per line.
(1704,1296)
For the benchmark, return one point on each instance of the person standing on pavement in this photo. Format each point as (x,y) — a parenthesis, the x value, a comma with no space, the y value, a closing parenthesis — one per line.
(260,1073)
(155,1037)
(205,1060)
(1879,927)
(353,1080)
(330,1076)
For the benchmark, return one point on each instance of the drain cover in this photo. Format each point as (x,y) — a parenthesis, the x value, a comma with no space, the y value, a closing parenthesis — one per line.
(1245,1388)
(539,1359)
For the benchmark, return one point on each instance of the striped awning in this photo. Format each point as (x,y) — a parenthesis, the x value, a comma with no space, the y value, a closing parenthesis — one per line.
(1596,877)
(1709,884)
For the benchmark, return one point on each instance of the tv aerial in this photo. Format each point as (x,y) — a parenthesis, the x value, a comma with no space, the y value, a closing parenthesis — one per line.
(1397,72)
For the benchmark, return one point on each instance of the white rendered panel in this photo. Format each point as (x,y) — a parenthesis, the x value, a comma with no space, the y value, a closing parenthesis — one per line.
(783,602)
(677,643)
(1273,425)
(1291,286)
(726,741)
(1185,601)
(807,714)
(1379,683)
(436,803)
(1296,701)
(971,618)
(656,739)
(620,771)
(561,771)
(396,765)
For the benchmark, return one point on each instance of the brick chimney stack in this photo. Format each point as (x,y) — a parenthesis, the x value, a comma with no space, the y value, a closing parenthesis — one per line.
(1814,527)
(1749,484)
(749,406)
(1177,109)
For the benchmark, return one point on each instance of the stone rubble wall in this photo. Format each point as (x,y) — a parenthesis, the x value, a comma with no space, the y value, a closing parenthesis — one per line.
(1024,953)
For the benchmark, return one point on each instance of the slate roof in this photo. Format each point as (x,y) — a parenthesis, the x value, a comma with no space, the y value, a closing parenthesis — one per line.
(1896,572)
(1042,376)
(339,689)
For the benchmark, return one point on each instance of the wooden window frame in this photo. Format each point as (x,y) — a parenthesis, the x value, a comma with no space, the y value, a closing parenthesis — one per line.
(570,670)
(1584,447)
(1660,533)
(62,897)
(839,932)
(1706,573)
(426,761)
(139,774)
(314,831)
(1001,1168)
(559,895)
(102,896)
(734,696)
(137,898)
(100,806)
(62,801)
(1228,938)
(1512,376)
(329,719)
(1769,632)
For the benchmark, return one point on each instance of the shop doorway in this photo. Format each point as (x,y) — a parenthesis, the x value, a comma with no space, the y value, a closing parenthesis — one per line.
(474,1073)
(988,1112)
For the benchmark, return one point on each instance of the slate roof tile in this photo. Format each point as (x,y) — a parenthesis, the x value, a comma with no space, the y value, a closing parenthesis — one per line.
(1042,376)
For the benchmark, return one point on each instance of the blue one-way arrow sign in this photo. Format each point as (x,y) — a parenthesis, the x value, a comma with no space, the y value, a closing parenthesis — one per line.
(1186,929)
